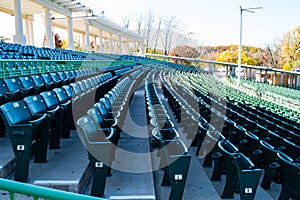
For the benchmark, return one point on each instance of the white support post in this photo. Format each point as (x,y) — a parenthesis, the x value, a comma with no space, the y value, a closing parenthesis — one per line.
(120,43)
(101,47)
(31,33)
(112,48)
(134,47)
(95,44)
(19,37)
(70,34)
(142,53)
(87,36)
(127,46)
(49,39)
(27,32)
(82,40)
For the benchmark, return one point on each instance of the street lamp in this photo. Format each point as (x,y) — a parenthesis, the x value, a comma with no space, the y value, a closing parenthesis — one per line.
(240,45)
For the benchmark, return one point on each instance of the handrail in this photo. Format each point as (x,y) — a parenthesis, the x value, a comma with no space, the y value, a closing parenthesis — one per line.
(16,67)
(40,192)
(222,63)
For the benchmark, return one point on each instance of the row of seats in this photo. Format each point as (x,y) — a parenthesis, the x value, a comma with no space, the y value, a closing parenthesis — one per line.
(44,118)
(241,174)
(240,132)
(16,51)
(166,141)
(12,89)
(101,125)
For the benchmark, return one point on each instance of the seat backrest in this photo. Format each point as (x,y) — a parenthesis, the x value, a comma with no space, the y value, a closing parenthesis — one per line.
(56,78)
(88,127)
(38,80)
(62,76)
(13,84)
(87,84)
(292,150)
(15,112)
(35,104)
(61,95)
(3,88)
(290,174)
(228,152)
(97,117)
(69,91)
(269,152)
(82,85)
(106,103)
(47,79)
(27,82)
(101,107)
(50,99)
(76,88)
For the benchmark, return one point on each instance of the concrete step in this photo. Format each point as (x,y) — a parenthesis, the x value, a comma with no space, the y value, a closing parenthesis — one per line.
(219,185)
(67,168)
(132,176)
(7,158)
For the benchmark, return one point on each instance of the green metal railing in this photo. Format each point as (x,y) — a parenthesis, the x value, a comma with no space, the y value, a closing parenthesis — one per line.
(14,68)
(38,192)
(279,77)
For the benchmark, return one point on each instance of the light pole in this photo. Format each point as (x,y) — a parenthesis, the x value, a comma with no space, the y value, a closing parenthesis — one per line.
(240,45)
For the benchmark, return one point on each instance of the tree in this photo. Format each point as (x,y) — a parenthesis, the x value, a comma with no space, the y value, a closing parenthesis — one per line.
(139,21)
(184,51)
(290,49)
(148,27)
(170,24)
(58,42)
(126,21)
(158,32)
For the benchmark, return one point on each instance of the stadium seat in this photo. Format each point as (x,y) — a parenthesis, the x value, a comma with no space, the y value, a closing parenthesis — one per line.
(99,150)
(290,177)
(22,129)
(66,112)
(52,103)
(241,176)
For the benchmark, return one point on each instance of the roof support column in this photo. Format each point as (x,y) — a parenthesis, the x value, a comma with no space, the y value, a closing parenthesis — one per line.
(19,37)
(49,39)
(70,34)
(121,46)
(95,44)
(142,48)
(27,32)
(87,36)
(101,49)
(31,33)
(134,47)
(127,46)
(112,49)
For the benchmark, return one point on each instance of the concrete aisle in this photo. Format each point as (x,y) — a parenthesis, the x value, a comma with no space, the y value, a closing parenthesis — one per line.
(132,176)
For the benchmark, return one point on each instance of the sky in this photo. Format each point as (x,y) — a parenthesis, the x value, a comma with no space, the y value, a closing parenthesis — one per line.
(213,22)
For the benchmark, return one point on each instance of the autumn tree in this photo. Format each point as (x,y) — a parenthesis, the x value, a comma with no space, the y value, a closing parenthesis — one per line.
(58,42)
(290,49)
(185,51)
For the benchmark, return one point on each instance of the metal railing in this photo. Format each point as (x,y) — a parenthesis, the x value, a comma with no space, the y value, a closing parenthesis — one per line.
(38,192)
(14,68)
(273,76)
